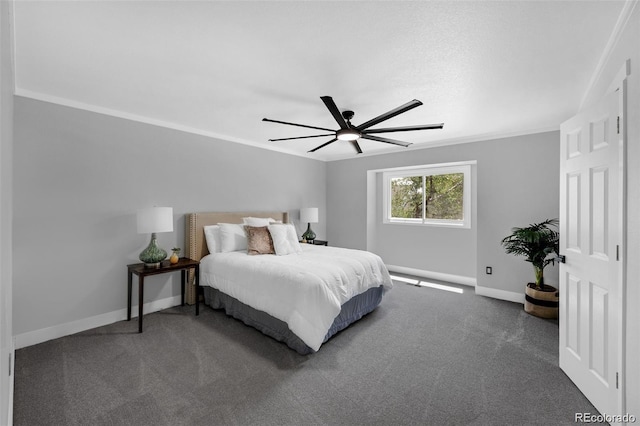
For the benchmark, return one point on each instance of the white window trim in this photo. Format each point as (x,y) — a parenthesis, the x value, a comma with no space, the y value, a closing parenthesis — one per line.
(428,170)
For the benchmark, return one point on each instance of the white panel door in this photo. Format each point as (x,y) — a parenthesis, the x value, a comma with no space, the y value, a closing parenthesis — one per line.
(591,238)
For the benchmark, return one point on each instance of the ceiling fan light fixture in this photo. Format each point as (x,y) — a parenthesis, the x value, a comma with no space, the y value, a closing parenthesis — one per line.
(348,134)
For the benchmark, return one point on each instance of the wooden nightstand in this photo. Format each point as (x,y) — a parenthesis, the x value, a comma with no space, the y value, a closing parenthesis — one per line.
(184,264)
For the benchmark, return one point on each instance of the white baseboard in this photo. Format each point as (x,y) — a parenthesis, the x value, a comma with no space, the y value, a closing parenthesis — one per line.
(38,336)
(455,279)
(501,294)
(459,279)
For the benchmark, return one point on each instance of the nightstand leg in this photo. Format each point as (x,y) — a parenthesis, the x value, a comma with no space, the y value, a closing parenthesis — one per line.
(184,274)
(129,285)
(140,301)
(197,282)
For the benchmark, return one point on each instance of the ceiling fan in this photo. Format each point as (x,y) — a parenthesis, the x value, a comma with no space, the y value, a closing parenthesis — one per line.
(351,133)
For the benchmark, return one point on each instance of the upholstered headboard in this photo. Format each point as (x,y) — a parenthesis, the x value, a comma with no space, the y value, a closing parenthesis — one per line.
(195,243)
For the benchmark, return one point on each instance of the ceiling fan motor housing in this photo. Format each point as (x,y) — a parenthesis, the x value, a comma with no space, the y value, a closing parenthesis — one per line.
(348,115)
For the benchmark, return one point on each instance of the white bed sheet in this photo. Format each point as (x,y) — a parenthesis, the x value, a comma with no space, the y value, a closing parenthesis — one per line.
(304,290)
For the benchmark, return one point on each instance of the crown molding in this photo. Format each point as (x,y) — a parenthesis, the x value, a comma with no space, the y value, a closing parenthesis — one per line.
(146,120)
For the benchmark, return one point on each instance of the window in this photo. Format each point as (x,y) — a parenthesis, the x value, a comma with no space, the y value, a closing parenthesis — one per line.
(429,195)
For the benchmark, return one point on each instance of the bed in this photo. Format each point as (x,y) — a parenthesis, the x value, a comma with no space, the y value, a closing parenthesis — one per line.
(301,298)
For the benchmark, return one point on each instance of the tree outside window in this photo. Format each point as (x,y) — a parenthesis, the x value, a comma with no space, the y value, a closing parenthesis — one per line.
(406,197)
(429,195)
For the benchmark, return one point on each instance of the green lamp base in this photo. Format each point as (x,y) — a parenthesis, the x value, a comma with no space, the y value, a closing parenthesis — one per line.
(309,235)
(153,255)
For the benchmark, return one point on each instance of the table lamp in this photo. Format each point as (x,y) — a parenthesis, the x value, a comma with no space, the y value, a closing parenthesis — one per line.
(153,220)
(309,215)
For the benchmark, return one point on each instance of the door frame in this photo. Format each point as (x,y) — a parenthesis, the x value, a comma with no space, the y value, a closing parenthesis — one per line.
(619,84)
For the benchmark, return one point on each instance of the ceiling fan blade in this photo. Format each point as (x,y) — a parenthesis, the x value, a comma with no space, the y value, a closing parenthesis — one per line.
(404,129)
(333,109)
(323,145)
(299,125)
(301,137)
(387,115)
(356,145)
(385,140)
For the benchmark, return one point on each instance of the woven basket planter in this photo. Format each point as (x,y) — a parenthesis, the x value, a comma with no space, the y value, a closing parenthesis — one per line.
(541,303)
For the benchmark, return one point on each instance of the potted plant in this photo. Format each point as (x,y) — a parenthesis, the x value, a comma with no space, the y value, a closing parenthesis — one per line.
(537,243)
(175,256)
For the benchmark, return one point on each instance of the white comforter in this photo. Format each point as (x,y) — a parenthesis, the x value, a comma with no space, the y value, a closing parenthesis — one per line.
(304,290)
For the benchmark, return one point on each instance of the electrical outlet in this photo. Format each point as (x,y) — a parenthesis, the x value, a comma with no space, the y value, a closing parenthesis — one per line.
(489,270)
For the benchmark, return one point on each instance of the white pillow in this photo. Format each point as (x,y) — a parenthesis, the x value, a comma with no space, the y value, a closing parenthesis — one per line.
(212,236)
(285,239)
(258,221)
(232,237)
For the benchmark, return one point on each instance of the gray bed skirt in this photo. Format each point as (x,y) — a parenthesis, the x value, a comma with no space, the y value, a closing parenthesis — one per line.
(352,310)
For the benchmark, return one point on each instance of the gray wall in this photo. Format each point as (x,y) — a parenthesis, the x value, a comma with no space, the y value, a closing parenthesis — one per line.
(79,178)
(517,183)
(6,197)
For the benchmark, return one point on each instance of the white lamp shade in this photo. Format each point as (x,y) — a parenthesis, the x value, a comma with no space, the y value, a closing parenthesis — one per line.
(155,219)
(309,215)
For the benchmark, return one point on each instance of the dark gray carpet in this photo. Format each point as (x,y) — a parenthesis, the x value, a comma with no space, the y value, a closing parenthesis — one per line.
(425,356)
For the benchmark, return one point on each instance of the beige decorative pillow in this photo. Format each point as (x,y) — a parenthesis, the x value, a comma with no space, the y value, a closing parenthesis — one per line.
(258,240)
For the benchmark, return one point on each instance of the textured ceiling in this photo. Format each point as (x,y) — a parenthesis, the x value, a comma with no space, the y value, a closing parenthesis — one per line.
(485,69)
